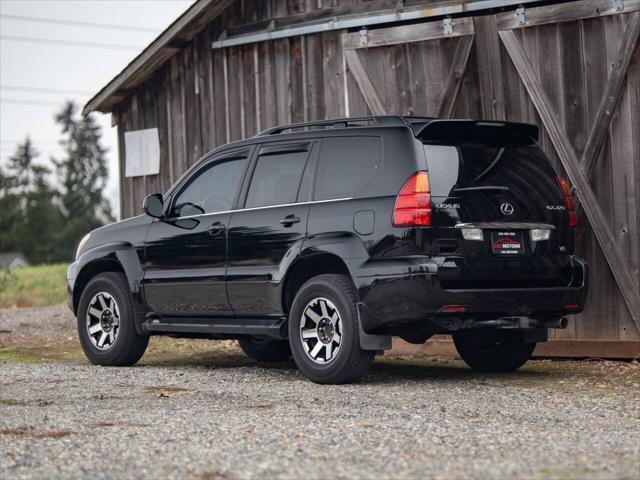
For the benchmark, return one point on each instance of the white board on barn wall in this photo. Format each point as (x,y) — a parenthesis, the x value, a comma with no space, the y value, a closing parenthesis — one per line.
(142,152)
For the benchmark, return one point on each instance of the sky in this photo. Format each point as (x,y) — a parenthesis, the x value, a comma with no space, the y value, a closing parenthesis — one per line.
(43,64)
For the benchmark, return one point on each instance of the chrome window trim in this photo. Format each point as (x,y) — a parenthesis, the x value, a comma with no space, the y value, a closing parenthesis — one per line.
(263,208)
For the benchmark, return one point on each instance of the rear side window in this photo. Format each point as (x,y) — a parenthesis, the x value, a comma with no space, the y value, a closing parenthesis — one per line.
(347,166)
(523,170)
(276,179)
(212,189)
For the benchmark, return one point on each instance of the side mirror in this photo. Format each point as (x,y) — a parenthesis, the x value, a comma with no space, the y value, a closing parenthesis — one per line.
(152,205)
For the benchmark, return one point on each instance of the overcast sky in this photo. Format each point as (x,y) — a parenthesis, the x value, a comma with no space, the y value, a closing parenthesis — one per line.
(37,77)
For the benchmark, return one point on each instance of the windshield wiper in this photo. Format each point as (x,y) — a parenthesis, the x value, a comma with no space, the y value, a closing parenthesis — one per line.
(484,187)
(492,164)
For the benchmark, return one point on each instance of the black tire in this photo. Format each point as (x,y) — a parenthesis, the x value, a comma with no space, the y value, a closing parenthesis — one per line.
(350,362)
(494,351)
(265,349)
(128,347)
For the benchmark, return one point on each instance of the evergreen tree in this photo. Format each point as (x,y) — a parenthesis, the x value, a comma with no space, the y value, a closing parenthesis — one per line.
(29,217)
(83,176)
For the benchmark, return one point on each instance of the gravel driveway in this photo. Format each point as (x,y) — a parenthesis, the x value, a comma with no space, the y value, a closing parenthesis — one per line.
(198,409)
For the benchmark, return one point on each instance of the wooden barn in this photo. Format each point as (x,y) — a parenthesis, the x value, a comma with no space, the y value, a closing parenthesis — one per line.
(227,69)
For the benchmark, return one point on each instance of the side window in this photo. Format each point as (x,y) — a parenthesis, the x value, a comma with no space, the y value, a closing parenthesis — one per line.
(276,178)
(347,166)
(211,190)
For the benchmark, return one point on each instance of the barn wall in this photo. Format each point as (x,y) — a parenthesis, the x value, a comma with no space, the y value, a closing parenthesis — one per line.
(203,98)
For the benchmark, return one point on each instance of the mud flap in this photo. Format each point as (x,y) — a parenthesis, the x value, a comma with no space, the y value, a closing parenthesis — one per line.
(370,341)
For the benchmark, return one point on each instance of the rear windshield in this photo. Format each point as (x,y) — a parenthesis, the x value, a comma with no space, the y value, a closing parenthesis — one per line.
(522,170)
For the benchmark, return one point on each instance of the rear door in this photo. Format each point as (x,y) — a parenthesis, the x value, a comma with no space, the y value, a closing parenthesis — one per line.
(508,193)
(273,220)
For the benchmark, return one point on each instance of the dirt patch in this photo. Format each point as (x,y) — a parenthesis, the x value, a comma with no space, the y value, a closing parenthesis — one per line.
(168,388)
(25,432)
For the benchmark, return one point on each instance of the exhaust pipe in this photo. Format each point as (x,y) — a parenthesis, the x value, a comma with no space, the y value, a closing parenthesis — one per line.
(560,323)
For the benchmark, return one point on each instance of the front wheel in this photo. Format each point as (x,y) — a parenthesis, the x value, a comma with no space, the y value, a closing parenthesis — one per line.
(324,331)
(105,322)
(493,351)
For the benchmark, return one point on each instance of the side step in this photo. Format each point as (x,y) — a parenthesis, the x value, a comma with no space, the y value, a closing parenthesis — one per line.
(270,327)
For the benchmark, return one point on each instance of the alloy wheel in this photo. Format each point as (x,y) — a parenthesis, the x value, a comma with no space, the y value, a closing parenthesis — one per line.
(321,330)
(103,320)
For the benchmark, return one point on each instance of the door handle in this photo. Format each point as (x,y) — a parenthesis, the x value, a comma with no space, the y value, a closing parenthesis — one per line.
(216,228)
(289,220)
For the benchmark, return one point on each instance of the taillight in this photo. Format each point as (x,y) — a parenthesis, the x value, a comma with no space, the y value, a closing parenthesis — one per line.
(568,201)
(413,203)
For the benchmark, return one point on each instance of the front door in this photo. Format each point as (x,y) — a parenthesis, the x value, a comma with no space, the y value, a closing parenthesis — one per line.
(264,235)
(186,254)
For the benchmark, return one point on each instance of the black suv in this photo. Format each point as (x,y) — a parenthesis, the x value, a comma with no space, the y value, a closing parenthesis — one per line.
(324,239)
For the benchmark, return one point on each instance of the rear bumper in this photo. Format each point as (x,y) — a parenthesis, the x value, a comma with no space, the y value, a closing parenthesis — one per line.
(414,293)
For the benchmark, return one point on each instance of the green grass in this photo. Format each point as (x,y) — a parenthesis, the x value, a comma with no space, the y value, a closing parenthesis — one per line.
(33,286)
(11,355)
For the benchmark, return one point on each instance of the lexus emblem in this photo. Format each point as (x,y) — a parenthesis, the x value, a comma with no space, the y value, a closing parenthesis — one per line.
(506,209)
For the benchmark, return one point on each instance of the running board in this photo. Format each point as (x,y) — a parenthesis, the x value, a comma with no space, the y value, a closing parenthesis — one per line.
(270,327)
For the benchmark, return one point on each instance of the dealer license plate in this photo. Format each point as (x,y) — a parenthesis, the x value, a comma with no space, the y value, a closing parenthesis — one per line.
(507,243)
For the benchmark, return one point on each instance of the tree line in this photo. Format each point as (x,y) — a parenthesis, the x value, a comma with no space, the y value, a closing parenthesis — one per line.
(45,220)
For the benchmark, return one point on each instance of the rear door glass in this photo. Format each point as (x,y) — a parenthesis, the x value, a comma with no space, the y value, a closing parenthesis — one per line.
(347,166)
(276,178)
(524,171)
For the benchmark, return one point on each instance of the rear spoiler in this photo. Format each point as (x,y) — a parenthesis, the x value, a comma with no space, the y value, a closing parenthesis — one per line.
(504,134)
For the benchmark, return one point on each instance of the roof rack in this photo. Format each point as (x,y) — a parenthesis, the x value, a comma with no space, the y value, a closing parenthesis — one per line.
(396,120)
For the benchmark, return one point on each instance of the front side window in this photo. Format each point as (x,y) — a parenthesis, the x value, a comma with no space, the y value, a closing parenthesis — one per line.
(276,179)
(348,166)
(213,189)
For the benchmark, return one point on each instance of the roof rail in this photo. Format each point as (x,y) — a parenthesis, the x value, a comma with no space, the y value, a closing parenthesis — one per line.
(337,122)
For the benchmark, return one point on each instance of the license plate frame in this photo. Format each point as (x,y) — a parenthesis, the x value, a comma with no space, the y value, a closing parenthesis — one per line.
(507,243)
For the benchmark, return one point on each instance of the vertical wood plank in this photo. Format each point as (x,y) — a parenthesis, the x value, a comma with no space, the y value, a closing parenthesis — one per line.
(283,80)
(622,153)
(489,68)
(267,85)
(314,72)
(296,93)
(334,85)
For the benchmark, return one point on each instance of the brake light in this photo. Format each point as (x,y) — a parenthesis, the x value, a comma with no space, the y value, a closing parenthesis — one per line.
(568,201)
(413,203)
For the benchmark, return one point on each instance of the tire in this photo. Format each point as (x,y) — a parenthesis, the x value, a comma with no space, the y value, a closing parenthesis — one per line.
(122,345)
(343,361)
(265,349)
(496,351)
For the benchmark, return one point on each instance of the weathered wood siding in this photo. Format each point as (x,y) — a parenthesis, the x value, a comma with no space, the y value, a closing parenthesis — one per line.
(203,98)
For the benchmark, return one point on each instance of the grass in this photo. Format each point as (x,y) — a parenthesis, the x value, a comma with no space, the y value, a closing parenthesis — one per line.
(11,355)
(36,286)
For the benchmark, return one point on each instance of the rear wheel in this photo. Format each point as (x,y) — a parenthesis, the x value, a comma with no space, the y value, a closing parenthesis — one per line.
(105,322)
(264,349)
(324,331)
(496,351)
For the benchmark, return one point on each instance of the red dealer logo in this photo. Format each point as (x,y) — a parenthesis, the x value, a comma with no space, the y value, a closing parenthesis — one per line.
(506,244)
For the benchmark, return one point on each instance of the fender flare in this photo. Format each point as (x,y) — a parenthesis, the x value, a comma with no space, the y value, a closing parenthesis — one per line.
(349,248)
(125,255)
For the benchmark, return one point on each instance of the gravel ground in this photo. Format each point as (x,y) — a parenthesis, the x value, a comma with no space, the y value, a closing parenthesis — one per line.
(198,409)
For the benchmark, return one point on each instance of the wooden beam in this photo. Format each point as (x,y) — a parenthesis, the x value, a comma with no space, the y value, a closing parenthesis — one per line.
(154,55)
(611,96)
(364,82)
(402,34)
(566,153)
(565,12)
(460,59)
